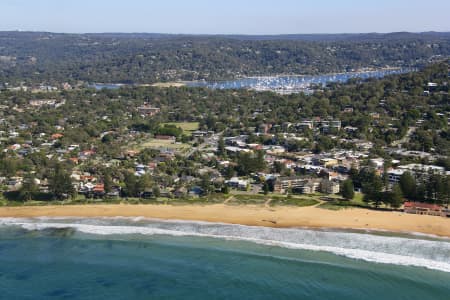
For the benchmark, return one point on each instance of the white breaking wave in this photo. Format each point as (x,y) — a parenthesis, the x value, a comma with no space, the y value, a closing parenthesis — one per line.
(407,251)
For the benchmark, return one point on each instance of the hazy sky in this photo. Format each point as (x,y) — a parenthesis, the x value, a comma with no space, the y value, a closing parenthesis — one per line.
(226,16)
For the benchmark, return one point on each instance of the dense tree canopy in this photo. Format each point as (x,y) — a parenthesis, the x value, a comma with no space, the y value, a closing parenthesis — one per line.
(145,58)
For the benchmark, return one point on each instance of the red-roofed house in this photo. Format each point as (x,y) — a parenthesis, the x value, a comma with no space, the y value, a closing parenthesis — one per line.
(88,153)
(87,178)
(57,136)
(424,209)
(96,191)
(148,110)
(99,189)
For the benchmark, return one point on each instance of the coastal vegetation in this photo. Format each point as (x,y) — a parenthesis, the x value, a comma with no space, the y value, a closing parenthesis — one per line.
(214,198)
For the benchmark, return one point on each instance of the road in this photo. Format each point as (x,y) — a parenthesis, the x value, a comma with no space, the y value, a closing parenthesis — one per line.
(405,139)
(208,141)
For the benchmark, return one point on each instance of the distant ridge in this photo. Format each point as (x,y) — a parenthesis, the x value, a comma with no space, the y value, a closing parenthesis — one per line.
(295,37)
(155,57)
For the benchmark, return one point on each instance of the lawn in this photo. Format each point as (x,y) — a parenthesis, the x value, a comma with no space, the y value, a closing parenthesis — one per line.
(356,202)
(210,199)
(248,199)
(291,201)
(188,127)
(273,200)
(157,144)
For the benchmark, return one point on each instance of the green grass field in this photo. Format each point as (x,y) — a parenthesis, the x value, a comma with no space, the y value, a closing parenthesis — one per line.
(274,200)
(188,127)
(157,144)
(290,201)
(271,200)
(356,202)
(248,199)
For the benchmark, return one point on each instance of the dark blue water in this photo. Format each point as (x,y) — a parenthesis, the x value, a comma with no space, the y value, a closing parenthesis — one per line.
(57,263)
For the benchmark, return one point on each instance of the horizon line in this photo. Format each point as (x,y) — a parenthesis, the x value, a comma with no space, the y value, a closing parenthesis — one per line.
(227,34)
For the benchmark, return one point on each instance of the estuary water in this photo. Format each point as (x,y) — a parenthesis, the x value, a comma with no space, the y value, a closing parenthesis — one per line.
(282,83)
(107,86)
(295,83)
(137,258)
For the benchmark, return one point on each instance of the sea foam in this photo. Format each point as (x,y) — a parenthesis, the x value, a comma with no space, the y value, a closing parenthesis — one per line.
(380,248)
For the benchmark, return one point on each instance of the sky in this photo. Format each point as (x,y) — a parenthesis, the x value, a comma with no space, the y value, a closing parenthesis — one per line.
(225,16)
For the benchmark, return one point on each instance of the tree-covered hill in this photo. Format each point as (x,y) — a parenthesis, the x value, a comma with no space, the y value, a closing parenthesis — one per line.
(38,57)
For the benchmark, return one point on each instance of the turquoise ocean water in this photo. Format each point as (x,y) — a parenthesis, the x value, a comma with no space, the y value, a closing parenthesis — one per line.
(122,258)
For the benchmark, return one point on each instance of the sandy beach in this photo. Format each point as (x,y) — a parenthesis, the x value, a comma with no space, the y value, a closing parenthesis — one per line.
(250,215)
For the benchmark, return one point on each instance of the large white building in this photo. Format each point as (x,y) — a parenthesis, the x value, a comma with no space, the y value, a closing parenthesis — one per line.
(418,170)
(423,169)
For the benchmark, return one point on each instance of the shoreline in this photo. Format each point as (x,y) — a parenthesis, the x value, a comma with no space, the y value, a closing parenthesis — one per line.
(410,69)
(250,215)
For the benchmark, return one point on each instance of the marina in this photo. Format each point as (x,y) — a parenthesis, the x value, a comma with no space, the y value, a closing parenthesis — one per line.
(288,84)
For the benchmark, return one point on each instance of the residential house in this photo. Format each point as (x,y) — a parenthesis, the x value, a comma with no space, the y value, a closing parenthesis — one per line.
(237,183)
(196,191)
(328,162)
(180,192)
(326,126)
(305,125)
(98,190)
(147,110)
(348,109)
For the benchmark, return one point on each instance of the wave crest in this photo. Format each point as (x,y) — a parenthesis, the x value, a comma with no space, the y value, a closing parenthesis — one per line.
(407,251)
